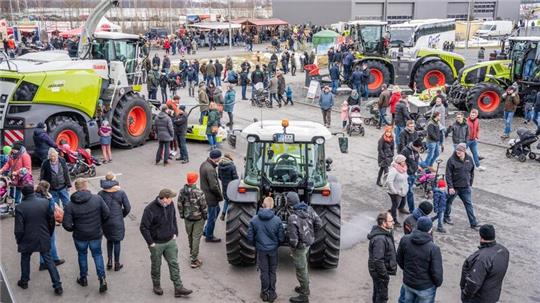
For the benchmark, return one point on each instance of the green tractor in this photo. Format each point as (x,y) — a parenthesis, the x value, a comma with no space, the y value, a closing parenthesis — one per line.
(482,85)
(285,156)
(428,68)
(68,94)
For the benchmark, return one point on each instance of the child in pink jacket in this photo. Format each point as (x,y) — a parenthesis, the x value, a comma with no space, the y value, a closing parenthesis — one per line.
(344,113)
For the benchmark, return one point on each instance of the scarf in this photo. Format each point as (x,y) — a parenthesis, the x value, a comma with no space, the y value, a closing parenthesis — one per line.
(402,169)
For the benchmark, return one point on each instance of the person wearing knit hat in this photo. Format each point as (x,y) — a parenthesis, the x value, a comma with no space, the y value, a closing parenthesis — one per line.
(424,209)
(385,152)
(421,262)
(226,174)
(4,157)
(412,154)
(192,208)
(209,183)
(397,186)
(18,158)
(42,141)
(439,204)
(459,179)
(483,271)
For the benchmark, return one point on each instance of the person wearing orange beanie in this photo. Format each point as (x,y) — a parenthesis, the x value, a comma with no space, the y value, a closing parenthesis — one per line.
(439,204)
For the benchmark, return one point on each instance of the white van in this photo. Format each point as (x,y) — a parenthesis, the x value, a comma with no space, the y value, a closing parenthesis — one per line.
(495,29)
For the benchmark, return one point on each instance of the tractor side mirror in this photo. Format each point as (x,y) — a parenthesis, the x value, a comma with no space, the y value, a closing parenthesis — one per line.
(343,142)
(329,164)
(231,137)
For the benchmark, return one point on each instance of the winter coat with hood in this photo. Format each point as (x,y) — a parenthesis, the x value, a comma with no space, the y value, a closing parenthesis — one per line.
(281,85)
(42,143)
(210,70)
(265,230)
(384,99)
(385,151)
(459,131)
(382,253)
(433,132)
(210,183)
(402,114)
(118,203)
(410,222)
(226,173)
(85,215)
(421,261)
(228,102)
(412,159)
(164,127)
(405,138)
(158,223)
(213,120)
(273,86)
(180,123)
(16,162)
(459,173)
(34,224)
(326,100)
(394,100)
(396,182)
(203,99)
(47,174)
(301,211)
(483,273)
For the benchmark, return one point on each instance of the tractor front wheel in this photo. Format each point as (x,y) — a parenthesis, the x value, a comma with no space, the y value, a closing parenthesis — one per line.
(378,75)
(324,252)
(487,99)
(66,129)
(433,74)
(240,252)
(131,121)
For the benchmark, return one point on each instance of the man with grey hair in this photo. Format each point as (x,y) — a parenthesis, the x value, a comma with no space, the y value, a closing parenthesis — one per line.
(55,171)
(165,134)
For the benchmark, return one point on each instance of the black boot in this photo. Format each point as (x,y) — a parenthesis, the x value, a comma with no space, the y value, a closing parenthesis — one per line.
(102,285)
(182,291)
(109,264)
(157,289)
(301,298)
(118,266)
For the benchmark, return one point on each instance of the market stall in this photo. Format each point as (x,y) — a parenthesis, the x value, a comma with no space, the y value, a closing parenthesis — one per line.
(255,26)
(323,40)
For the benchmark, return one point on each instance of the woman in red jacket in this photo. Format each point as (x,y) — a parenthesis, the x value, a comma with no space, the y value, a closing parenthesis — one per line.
(394,99)
(20,167)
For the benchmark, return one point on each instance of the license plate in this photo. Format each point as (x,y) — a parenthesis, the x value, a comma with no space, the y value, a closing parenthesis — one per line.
(284,138)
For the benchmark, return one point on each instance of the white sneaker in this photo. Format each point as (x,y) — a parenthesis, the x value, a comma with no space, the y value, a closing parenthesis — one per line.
(481,168)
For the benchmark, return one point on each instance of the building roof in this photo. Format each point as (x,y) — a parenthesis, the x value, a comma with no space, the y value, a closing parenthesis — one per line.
(264,22)
(304,131)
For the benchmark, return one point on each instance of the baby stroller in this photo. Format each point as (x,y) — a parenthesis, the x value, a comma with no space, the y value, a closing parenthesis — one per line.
(355,121)
(521,147)
(420,125)
(373,109)
(80,162)
(427,180)
(7,202)
(260,97)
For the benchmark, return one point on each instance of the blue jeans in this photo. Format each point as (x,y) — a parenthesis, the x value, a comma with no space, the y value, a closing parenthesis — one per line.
(203,113)
(212,141)
(465,196)
(382,116)
(508,116)
(358,87)
(225,206)
(335,86)
(182,145)
(536,121)
(16,193)
(218,80)
(365,90)
(213,213)
(53,272)
(411,179)
(53,251)
(60,195)
(473,145)
(440,215)
(397,131)
(432,154)
(95,249)
(244,90)
(410,295)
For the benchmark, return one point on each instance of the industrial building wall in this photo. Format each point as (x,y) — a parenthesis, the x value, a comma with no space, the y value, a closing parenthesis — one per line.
(314,11)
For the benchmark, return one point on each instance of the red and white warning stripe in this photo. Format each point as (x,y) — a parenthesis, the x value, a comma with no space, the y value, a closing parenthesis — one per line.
(12,136)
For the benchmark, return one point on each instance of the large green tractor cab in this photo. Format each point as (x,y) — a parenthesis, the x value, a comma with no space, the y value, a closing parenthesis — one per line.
(428,68)
(285,156)
(482,85)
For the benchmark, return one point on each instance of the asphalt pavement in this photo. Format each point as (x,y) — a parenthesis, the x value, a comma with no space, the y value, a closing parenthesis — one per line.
(506,195)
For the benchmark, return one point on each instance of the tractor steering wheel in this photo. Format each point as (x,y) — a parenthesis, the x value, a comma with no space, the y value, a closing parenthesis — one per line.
(286,157)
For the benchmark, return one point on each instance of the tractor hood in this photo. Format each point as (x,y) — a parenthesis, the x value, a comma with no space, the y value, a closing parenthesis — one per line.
(303,131)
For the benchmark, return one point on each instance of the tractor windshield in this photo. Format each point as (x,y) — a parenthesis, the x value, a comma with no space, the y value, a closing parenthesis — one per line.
(371,38)
(526,59)
(401,36)
(117,50)
(285,164)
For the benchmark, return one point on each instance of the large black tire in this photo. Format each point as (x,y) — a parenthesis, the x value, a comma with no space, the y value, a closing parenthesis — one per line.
(431,74)
(378,73)
(66,126)
(324,252)
(240,252)
(121,136)
(487,99)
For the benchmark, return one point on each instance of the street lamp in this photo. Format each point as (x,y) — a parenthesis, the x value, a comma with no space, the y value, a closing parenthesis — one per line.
(230,29)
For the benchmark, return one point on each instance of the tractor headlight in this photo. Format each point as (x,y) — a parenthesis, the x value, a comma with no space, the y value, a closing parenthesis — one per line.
(319,140)
(251,139)
(14,122)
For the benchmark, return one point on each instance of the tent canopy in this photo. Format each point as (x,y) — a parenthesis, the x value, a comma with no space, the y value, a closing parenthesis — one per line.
(325,37)
(104,25)
(263,22)
(215,25)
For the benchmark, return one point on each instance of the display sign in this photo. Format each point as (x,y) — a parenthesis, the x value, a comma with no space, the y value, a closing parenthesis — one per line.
(284,138)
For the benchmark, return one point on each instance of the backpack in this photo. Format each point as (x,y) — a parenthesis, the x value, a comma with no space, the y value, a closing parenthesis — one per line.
(306,233)
(191,204)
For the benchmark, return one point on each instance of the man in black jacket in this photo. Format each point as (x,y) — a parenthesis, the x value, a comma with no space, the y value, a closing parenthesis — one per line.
(402,114)
(421,262)
(459,179)
(412,155)
(210,186)
(483,272)
(256,76)
(433,138)
(382,256)
(219,70)
(180,123)
(42,141)
(408,135)
(165,134)
(84,217)
(55,171)
(159,229)
(34,226)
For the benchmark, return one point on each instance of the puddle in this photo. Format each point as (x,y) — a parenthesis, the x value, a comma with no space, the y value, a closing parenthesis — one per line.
(356,229)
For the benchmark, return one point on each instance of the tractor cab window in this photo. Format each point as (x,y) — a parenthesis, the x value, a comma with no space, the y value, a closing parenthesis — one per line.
(117,50)
(401,36)
(372,38)
(285,164)
(526,61)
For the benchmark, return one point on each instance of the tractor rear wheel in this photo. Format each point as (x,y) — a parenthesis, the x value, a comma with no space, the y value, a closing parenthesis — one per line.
(379,74)
(433,74)
(64,128)
(131,121)
(324,252)
(487,99)
(240,252)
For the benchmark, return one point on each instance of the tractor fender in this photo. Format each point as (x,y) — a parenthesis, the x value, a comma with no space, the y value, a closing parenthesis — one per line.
(250,196)
(334,199)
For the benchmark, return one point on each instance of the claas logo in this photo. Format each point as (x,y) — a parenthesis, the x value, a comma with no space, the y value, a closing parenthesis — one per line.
(100,66)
